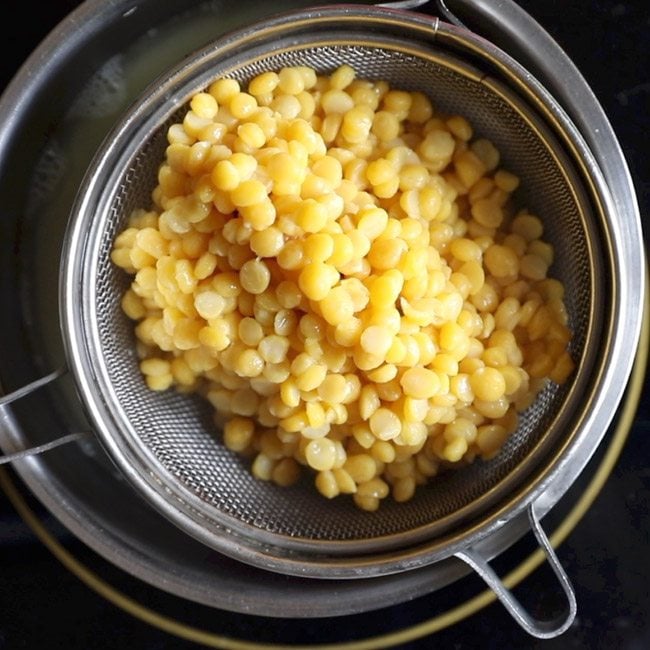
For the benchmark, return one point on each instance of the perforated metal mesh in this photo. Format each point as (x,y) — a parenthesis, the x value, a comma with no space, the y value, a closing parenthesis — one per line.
(175,432)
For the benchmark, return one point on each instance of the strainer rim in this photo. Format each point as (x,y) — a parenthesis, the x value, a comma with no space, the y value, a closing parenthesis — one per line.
(68,301)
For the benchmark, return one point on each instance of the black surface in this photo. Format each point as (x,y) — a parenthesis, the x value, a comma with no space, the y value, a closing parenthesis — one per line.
(607,556)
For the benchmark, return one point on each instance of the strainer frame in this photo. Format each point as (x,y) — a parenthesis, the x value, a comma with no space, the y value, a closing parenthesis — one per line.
(84,370)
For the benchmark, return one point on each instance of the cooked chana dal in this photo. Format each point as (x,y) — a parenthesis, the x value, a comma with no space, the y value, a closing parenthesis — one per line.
(341,270)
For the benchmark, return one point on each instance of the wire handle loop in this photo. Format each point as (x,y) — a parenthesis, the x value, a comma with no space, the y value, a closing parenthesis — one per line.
(28,389)
(444,11)
(33,451)
(24,391)
(448,14)
(542,629)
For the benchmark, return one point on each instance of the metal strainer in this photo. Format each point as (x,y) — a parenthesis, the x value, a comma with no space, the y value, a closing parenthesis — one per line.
(165,443)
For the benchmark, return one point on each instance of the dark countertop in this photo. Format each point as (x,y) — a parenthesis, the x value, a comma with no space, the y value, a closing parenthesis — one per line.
(607,555)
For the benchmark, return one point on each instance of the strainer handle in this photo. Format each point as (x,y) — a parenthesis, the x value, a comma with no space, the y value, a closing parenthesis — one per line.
(542,629)
(18,394)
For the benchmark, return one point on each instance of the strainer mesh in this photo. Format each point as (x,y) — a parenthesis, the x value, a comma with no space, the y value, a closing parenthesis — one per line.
(177,430)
